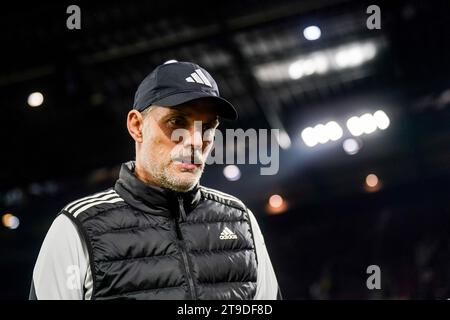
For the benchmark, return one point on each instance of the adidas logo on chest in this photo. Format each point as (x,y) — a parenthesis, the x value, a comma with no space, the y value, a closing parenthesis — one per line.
(227,234)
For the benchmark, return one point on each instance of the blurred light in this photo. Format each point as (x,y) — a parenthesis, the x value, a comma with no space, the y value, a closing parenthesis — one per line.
(354,126)
(35,99)
(170,61)
(10,221)
(354,55)
(372,180)
(368,123)
(312,33)
(351,146)
(276,204)
(321,133)
(35,189)
(276,201)
(334,131)
(295,70)
(308,67)
(309,137)
(319,62)
(13,197)
(232,172)
(381,119)
(342,59)
(369,50)
(5,218)
(284,140)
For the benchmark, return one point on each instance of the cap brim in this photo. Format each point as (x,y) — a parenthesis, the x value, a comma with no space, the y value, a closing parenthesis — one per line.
(224,108)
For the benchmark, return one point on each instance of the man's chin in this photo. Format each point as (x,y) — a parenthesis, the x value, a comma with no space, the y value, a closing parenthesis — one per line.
(186,178)
(183,185)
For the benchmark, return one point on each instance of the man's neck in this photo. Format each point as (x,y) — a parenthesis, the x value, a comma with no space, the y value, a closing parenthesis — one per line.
(142,175)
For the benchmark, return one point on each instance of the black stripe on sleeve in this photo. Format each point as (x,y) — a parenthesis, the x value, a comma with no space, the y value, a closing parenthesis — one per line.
(32,295)
(279,296)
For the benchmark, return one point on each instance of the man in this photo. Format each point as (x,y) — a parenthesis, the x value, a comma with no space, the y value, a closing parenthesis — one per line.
(159,234)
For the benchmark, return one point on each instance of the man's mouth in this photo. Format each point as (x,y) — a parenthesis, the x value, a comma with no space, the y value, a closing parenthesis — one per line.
(187,163)
(188,166)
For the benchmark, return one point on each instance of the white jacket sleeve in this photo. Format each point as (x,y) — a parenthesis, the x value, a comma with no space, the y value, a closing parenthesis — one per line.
(62,266)
(267,284)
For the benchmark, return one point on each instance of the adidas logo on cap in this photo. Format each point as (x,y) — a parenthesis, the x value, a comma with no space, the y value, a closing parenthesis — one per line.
(227,234)
(199,77)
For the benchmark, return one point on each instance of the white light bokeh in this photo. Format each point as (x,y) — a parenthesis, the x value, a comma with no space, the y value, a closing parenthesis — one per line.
(381,119)
(350,55)
(309,137)
(369,50)
(355,56)
(232,172)
(351,146)
(308,67)
(295,70)
(354,125)
(321,133)
(312,33)
(320,63)
(368,123)
(334,130)
(35,99)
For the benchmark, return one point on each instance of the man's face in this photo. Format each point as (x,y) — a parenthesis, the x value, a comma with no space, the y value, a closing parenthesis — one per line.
(174,149)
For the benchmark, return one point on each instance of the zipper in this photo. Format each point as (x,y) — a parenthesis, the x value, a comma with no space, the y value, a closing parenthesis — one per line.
(183,247)
(181,208)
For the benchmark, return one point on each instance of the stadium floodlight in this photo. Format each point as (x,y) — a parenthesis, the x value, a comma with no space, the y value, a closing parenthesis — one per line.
(368,123)
(322,133)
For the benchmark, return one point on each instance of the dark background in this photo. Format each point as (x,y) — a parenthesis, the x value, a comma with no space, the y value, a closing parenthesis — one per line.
(333,227)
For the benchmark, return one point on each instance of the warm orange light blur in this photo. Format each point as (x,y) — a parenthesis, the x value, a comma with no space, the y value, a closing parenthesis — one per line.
(276,201)
(372,180)
(276,204)
(373,183)
(6,219)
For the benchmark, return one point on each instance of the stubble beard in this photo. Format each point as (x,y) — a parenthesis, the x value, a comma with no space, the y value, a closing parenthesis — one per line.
(165,175)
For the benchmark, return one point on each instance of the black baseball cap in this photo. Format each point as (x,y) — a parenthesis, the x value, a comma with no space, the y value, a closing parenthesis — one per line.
(177,82)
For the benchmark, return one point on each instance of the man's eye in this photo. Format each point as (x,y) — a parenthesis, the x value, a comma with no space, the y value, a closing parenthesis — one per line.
(177,122)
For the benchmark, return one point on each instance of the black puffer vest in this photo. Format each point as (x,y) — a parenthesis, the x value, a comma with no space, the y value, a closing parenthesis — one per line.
(147,242)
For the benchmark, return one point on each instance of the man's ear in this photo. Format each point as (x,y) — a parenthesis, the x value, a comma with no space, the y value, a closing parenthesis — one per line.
(135,125)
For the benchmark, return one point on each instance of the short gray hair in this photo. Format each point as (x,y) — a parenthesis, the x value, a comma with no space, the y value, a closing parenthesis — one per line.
(146,111)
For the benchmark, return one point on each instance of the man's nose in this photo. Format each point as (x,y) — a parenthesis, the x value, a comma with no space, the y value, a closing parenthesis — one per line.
(195,138)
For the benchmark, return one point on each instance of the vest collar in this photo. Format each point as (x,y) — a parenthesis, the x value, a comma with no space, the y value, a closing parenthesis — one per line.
(151,198)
